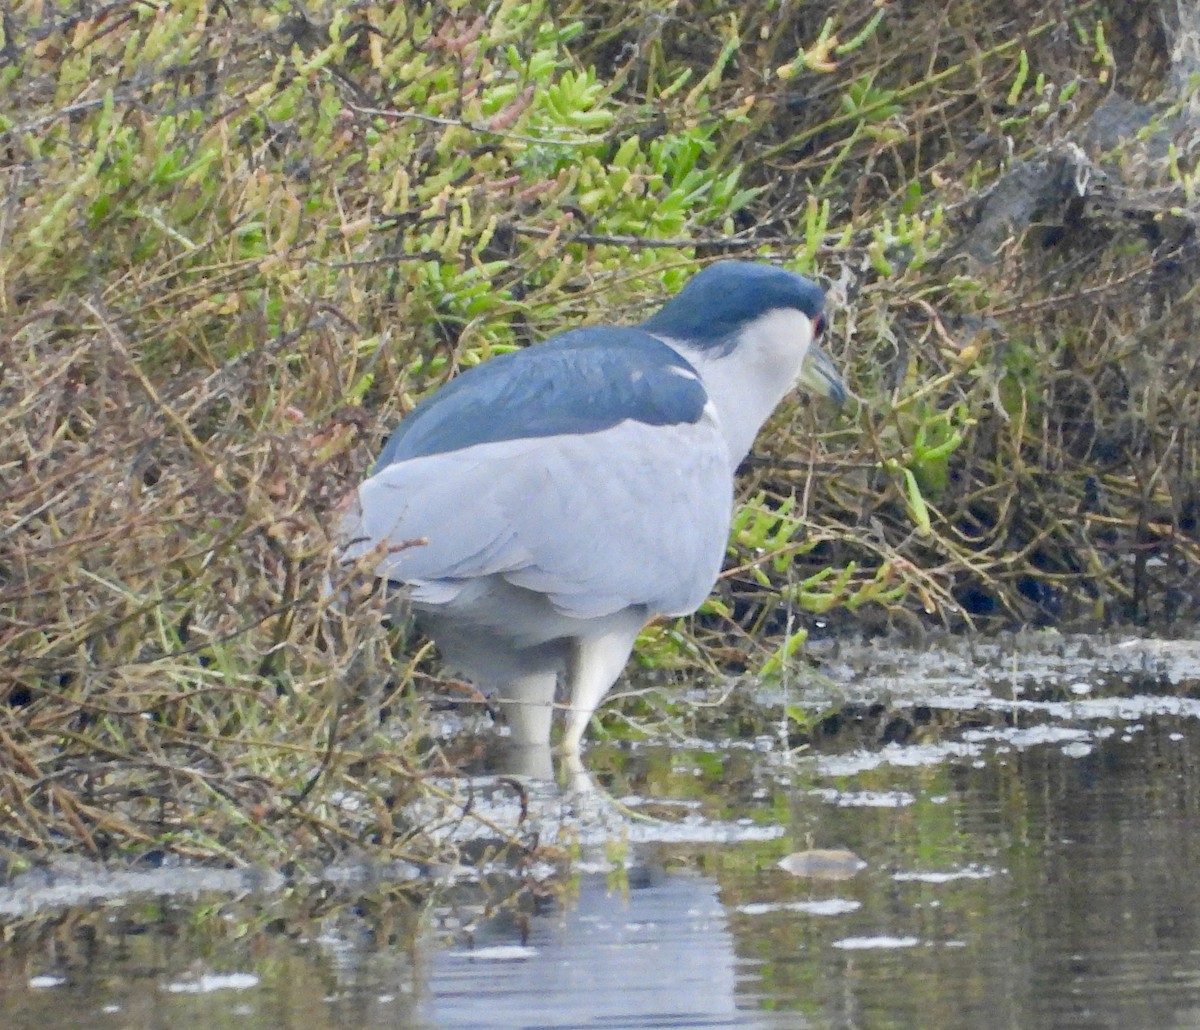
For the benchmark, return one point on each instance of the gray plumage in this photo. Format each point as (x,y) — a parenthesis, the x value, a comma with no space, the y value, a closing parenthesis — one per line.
(543,506)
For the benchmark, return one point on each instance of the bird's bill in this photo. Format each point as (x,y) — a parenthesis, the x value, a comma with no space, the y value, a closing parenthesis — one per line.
(818,375)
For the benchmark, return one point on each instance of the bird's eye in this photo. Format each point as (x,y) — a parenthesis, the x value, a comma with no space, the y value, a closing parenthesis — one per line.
(818,327)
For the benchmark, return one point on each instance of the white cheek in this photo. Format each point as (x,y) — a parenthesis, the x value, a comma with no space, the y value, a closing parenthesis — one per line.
(778,342)
(745,385)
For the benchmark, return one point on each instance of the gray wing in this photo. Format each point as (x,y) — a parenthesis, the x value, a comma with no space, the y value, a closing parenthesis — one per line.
(632,514)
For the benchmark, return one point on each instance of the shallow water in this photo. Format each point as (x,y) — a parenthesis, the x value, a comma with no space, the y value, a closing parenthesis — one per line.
(1027,813)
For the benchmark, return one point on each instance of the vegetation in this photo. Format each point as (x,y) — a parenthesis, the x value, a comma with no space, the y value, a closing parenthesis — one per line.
(238,241)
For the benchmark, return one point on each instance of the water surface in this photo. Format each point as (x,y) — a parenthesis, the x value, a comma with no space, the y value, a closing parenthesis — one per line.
(1026,812)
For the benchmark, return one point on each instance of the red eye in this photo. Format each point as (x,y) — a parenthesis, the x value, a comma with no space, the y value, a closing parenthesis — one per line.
(818,327)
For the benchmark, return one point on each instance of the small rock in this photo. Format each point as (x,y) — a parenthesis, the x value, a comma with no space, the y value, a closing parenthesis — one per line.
(823,864)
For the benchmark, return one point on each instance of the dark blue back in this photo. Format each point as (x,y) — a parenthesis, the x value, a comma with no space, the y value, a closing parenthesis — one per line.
(583,381)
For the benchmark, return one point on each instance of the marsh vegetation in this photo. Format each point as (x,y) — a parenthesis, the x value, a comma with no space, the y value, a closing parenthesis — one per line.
(238,241)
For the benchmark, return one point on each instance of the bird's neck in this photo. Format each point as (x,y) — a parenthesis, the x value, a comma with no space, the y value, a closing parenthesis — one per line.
(745,384)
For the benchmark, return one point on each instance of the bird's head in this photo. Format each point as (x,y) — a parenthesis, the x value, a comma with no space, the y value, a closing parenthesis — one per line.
(763,311)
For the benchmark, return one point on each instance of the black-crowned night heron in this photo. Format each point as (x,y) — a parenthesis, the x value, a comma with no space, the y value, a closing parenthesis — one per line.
(541,508)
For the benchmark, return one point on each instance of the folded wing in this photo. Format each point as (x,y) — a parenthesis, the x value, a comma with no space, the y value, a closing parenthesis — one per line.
(584,469)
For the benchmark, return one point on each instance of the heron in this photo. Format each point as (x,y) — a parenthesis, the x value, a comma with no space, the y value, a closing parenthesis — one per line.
(542,507)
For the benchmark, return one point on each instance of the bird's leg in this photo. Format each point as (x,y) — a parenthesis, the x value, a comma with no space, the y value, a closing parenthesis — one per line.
(528,705)
(594,666)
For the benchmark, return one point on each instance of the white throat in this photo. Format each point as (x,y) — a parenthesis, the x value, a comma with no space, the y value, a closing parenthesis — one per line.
(745,384)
